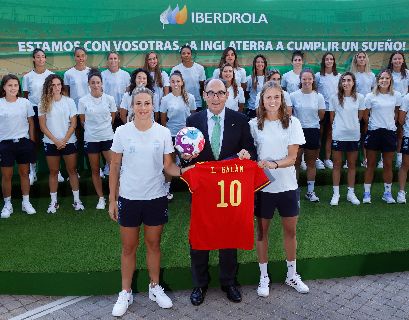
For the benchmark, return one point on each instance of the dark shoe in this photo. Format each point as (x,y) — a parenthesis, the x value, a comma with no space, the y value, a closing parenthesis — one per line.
(233,294)
(197,296)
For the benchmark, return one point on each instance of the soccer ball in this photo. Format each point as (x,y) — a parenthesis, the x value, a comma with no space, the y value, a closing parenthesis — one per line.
(189,140)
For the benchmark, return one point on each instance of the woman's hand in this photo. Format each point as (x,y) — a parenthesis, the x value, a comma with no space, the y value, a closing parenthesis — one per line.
(113,210)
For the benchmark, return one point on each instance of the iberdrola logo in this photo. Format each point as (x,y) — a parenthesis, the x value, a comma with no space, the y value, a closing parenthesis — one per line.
(174,16)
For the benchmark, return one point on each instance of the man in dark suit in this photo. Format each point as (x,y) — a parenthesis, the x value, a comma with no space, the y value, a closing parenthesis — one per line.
(227,134)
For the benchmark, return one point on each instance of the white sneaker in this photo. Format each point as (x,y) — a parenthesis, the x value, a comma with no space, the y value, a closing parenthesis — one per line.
(27,207)
(125,299)
(345,166)
(6,211)
(101,203)
(60,178)
(351,197)
(106,170)
(78,206)
(297,284)
(32,176)
(311,196)
(157,294)
(328,164)
(263,289)
(334,200)
(319,164)
(303,165)
(367,197)
(101,173)
(52,208)
(387,197)
(401,198)
(380,164)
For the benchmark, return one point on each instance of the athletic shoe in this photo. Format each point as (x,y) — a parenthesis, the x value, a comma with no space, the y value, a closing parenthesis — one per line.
(106,170)
(311,196)
(263,289)
(401,198)
(367,197)
(387,197)
(78,206)
(101,173)
(60,177)
(364,163)
(345,166)
(6,211)
(125,299)
(297,284)
(101,203)
(52,208)
(319,164)
(351,197)
(303,165)
(169,196)
(157,294)
(27,207)
(380,164)
(334,200)
(328,164)
(32,176)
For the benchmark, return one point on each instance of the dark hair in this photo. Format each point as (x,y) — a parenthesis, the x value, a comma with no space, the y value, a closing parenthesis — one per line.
(47,92)
(112,52)
(4,80)
(334,66)
(223,57)
(94,72)
(35,51)
(78,49)
(233,80)
(297,53)
(314,84)
(185,96)
(283,115)
(403,66)
(254,80)
(341,91)
(157,78)
(185,46)
(149,83)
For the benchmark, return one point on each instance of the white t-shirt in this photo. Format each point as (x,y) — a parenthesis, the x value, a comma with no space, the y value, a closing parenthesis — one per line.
(98,118)
(306,107)
(126,104)
(253,92)
(327,85)
(382,110)
(158,90)
(176,111)
(405,107)
(78,83)
(192,76)
(272,144)
(58,120)
(365,82)
(239,75)
(400,84)
(14,118)
(233,102)
(141,176)
(290,81)
(287,99)
(115,83)
(33,83)
(346,122)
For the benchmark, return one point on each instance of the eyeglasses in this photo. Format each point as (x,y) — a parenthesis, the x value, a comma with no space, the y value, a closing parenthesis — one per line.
(219,94)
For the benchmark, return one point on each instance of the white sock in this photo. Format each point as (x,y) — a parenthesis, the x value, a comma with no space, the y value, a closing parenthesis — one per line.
(263,270)
(102,198)
(399,157)
(53,197)
(291,269)
(388,187)
(167,186)
(336,190)
(26,198)
(367,187)
(76,195)
(33,167)
(310,186)
(351,190)
(7,201)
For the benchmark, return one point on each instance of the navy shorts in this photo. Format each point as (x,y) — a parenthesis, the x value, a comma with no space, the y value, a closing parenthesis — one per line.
(345,146)
(381,140)
(132,213)
(285,202)
(20,150)
(97,147)
(312,138)
(405,146)
(51,150)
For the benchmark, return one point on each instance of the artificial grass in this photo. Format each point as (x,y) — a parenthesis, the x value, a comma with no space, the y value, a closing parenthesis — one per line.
(89,242)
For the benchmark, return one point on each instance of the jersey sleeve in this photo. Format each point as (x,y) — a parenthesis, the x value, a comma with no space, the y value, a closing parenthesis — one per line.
(216,73)
(165,79)
(287,99)
(405,103)
(81,106)
(163,107)
(321,102)
(257,103)
(368,101)
(191,102)
(249,84)
(67,78)
(168,142)
(398,99)
(296,134)
(260,178)
(72,107)
(202,76)
(332,103)
(241,95)
(117,145)
(30,110)
(243,75)
(361,102)
(112,105)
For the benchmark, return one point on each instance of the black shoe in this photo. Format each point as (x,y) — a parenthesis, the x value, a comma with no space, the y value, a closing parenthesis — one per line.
(233,294)
(197,296)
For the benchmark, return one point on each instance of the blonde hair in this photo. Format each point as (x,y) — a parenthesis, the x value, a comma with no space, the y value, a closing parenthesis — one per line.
(354,65)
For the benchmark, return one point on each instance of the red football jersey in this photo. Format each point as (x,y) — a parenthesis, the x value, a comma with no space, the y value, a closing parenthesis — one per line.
(222,209)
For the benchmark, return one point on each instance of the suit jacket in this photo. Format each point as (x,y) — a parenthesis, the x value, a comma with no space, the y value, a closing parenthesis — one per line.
(236,135)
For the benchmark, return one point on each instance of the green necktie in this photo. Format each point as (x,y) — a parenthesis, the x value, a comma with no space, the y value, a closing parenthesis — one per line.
(215,141)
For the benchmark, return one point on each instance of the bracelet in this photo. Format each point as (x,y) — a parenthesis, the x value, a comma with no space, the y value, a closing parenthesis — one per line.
(276,164)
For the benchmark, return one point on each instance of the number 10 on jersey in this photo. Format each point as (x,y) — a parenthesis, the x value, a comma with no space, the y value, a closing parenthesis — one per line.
(234,194)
